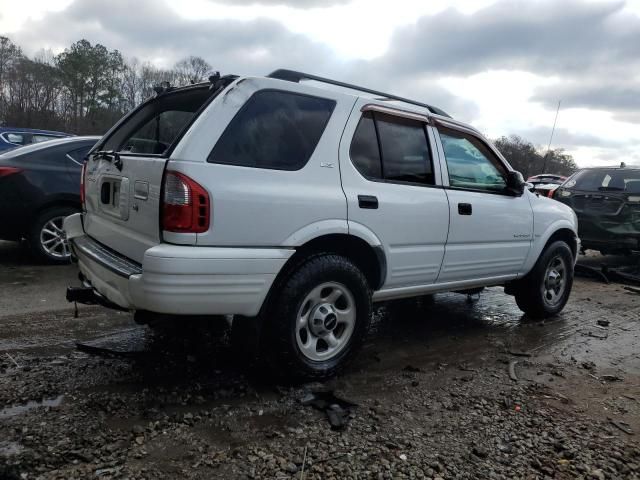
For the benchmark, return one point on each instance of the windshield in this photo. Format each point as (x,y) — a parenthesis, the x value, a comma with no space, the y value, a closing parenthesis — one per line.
(602,179)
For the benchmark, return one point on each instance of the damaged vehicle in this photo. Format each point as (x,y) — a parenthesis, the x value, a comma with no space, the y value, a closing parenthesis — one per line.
(607,203)
(292,202)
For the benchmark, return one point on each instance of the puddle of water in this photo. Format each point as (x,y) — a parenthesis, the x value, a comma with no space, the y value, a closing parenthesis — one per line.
(20,409)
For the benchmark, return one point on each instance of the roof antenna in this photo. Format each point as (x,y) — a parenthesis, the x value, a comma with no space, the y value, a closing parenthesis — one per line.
(546,155)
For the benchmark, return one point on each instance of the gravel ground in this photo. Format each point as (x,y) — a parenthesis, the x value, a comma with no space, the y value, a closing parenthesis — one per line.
(433,388)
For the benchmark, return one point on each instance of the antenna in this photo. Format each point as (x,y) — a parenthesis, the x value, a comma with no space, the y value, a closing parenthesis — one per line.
(553,129)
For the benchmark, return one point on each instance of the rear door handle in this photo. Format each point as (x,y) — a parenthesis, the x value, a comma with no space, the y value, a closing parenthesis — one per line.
(465,209)
(368,201)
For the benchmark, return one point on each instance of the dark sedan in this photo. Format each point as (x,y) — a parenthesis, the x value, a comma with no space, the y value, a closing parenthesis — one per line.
(39,187)
(607,203)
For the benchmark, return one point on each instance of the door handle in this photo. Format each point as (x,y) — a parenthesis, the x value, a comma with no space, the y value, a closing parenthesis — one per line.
(368,201)
(465,209)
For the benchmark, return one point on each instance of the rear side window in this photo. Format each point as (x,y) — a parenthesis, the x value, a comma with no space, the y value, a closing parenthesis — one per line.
(396,149)
(274,129)
(15,138)
(37,138)
(365,153)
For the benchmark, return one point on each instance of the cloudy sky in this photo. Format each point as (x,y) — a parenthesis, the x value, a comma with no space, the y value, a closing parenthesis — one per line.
(501,65)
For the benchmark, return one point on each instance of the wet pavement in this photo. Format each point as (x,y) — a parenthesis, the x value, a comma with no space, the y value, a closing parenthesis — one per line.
(449,387)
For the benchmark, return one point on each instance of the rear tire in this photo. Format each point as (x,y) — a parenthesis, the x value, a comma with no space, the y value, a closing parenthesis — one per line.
(318,318)
(47,241)
(545,290)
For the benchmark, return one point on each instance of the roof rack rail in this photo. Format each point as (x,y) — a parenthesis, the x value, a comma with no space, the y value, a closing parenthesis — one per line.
(293,76)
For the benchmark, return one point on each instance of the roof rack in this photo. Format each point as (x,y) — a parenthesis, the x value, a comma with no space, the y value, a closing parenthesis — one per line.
(293,76)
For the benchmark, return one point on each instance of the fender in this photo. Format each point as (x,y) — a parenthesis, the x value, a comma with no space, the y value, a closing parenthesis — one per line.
(358,230)
(315,230)
(541,239)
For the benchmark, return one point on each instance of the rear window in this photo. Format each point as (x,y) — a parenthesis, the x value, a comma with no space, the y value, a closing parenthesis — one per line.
(274,129)
(158,124)
(614,180)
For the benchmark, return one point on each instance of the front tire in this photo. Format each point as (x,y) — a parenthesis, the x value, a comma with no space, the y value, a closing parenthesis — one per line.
(545,290)
(319,318)
(47,240)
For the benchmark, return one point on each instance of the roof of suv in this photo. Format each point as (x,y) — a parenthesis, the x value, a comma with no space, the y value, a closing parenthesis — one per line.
(297,77)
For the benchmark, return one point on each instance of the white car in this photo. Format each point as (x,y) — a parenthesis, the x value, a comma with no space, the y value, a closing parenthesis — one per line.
(293,202)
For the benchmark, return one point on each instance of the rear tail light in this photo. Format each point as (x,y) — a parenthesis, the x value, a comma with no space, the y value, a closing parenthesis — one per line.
(82,186)
(6,171)
(185,205)
(551,192)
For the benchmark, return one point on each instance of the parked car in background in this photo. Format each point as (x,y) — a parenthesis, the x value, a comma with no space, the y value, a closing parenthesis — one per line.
(607,202)
(39,186)
(18,137)
(293,206)
(546,183)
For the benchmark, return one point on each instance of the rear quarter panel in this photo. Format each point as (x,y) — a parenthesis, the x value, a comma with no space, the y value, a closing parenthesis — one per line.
(262,207)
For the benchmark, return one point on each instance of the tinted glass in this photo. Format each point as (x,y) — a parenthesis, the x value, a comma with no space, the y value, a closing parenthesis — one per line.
(470,163)
(157,125)
(15,138)
(364,152)
(37,138)
(405,150)
(158,133)
(602,179)
(278,130)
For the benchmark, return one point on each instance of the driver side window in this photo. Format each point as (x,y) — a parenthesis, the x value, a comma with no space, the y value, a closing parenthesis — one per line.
(470,163)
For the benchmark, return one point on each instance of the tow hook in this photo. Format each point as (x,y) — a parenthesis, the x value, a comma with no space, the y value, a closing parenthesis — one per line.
(88,296)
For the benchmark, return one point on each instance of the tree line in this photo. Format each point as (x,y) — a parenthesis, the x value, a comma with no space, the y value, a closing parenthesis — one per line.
(83,90)
(86,88)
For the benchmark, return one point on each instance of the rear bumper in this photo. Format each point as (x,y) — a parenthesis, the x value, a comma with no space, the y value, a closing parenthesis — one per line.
(179,280)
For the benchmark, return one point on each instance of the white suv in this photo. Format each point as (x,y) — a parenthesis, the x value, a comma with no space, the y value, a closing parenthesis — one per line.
(293,202)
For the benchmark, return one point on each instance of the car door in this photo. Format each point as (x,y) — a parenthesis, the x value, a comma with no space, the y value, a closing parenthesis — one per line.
(490,230)
(392,183)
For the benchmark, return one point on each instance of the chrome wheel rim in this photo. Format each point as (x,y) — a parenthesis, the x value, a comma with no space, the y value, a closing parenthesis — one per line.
(555,281)
(325,321)
(53,239)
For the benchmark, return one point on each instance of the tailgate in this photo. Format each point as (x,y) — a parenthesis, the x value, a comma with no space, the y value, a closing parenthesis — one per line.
(124,173)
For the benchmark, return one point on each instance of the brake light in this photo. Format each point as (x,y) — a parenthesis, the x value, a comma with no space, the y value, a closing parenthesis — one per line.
(551,192)
(6,171)
(82,192)
(185,205)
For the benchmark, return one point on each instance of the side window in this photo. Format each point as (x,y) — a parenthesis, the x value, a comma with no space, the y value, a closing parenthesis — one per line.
(15,138)
(274,129)
(402,155)
(38,138)
(470,163)
(405,151)
(364,152)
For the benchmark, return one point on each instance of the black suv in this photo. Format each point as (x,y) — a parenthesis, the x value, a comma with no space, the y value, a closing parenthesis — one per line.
(607,203)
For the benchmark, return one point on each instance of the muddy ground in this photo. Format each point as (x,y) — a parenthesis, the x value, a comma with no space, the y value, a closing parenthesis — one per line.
(432,384)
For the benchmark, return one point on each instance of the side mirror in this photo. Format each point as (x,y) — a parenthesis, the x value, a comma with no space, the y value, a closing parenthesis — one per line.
(515,183)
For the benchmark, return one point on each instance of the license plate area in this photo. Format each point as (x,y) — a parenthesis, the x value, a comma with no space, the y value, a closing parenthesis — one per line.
(114,194)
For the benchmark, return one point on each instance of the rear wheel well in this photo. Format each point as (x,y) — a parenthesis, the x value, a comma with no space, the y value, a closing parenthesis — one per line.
(370,260)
